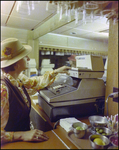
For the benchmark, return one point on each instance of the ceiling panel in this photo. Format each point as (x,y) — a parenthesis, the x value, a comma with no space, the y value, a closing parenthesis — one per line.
(85,34)
(75,32)
(96,25)
(88,30)
(6,7)
(11,18)
(21,19)
(22,23)
(62,29)
(39,13)
(96,36)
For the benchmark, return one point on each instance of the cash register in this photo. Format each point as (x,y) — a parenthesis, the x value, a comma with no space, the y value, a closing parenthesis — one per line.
(79,94)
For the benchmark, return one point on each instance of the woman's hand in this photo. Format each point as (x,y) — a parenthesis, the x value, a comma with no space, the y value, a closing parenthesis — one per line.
(63,69)
(32,135)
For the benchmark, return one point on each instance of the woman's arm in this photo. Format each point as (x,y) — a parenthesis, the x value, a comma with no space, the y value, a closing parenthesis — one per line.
(63,69)
(37,83)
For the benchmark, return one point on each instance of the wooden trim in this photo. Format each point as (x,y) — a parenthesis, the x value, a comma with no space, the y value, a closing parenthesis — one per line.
(41,113)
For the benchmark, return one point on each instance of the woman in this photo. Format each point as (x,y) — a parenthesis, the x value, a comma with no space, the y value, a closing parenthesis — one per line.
(15,91)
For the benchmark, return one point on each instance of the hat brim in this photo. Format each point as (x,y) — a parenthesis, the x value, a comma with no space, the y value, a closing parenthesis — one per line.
(6,63)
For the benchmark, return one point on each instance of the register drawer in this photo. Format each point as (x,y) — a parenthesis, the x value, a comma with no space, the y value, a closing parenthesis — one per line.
(77,110)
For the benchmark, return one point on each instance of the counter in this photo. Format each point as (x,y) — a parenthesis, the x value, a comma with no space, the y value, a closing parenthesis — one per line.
(57,138)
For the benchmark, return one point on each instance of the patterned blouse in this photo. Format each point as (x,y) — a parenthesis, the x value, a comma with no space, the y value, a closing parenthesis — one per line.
(32,85)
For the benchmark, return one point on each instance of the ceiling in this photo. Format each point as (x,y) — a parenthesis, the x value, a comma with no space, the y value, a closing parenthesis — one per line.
(98,29)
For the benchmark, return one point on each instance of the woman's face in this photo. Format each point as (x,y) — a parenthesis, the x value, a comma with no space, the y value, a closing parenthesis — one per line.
(23,63)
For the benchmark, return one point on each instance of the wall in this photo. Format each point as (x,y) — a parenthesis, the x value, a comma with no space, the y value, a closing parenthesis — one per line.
(112,67)
(54,41)
(8,32)
(73,42)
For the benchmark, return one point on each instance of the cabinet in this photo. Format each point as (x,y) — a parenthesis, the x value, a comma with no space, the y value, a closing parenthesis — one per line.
(58,60)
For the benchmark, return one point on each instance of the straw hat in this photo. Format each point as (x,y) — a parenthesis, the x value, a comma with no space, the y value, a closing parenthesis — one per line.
(12,51)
